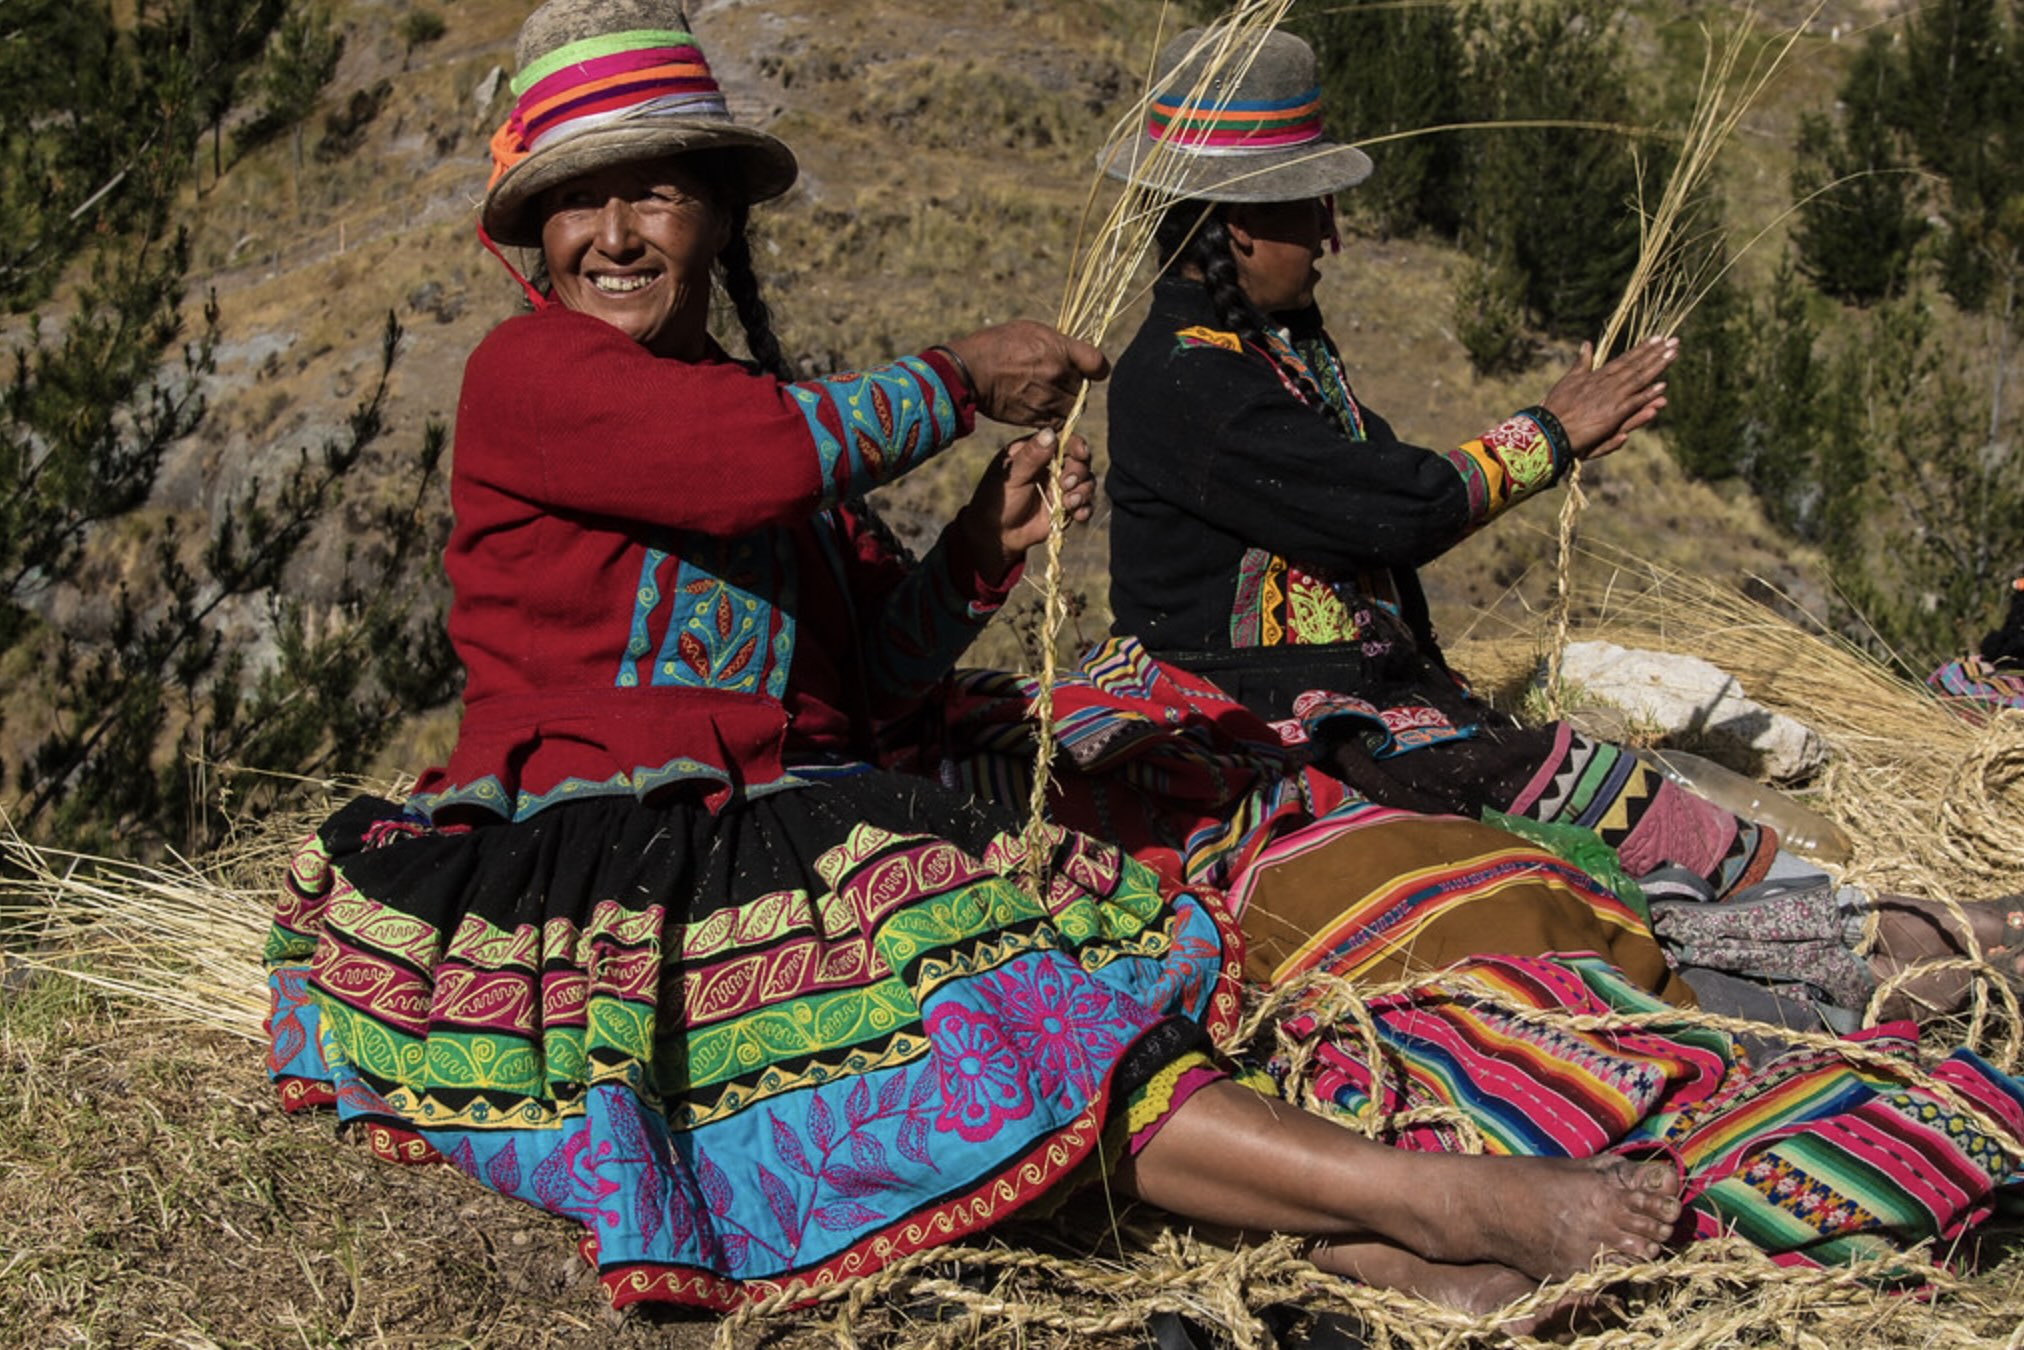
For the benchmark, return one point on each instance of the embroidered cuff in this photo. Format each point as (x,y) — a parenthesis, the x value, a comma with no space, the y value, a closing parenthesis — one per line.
(1511,461)
(870,428)
(1556,436)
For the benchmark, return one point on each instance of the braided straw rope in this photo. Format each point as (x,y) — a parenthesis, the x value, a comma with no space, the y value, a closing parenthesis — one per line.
(1100,287)
(1675,269)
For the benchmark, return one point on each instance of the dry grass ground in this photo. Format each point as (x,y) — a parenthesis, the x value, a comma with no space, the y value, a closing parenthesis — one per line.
(155,1194)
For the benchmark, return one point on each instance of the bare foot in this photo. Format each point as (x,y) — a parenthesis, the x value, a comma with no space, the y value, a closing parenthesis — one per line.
(1911,931)
(1480,1289)
(1546,1217)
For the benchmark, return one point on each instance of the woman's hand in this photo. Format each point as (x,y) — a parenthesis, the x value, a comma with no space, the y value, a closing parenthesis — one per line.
(1008,513)
(1027,374)
(1601,408)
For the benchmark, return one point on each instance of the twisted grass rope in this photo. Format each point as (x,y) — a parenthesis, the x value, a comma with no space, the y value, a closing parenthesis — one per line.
(1982,813)
(1100,281)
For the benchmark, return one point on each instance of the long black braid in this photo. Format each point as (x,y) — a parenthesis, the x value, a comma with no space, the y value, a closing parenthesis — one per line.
(741,287)
(1207,249)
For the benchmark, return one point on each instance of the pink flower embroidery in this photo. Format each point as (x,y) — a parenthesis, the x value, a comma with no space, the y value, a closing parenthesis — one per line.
(983,1081)
(1064,1031)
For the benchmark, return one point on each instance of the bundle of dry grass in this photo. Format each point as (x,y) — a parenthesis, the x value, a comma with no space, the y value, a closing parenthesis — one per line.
(1935,802)
(182,942)
(1095,1277)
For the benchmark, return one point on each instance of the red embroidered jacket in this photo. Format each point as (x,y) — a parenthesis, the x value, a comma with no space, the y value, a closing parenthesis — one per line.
(655,580)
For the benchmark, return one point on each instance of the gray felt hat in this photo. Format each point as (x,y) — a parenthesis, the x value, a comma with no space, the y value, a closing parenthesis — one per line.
(1247,134)
(604,82)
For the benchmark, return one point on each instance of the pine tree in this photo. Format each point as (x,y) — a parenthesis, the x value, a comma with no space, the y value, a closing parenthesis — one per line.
(1955,513)
(1707,414)
(301,57)
(1858,202)
(1384,70)
(1788,391)
(140,680)
(1962,67)
(1556,203)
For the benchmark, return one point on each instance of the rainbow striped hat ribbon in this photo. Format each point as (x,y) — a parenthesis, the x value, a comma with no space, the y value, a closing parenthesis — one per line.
(1234,117)
(601,81)
(1241,126)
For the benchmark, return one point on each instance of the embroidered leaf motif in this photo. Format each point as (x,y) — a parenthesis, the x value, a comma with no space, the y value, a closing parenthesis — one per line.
(681,1217)
(716,1186)
(870,1173)
(890,1093)
(821,1125)
(882,408)
(926,1087)
(724,616)
(736,1248)
(647,1204)
(857,1106)
(465,1159)
(697,586)
(781,1201)
(869,451)
(502,1174)
(870,1155)
(913,1140)
(788,1147)
(744,654)
(854,1181)
(289,1038)
(844,1216)
(692,654)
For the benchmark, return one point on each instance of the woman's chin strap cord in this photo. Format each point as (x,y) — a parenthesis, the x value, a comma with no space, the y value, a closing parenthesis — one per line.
(534,297)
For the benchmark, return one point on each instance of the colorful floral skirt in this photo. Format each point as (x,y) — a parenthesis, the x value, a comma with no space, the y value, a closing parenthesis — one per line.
(759,1049)
(1812,1158)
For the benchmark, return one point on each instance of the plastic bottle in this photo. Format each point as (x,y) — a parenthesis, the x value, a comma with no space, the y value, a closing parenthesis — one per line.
(1800,828)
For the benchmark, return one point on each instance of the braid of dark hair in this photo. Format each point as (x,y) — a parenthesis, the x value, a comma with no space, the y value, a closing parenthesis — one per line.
(1187,238)
(741,287)
(879,528)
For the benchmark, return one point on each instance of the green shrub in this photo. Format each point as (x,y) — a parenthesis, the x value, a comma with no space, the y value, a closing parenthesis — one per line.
(420,27)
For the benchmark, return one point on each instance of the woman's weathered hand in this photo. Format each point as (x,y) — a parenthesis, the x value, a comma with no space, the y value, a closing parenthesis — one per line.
(1009,513)
(1601,408)
(1027,373)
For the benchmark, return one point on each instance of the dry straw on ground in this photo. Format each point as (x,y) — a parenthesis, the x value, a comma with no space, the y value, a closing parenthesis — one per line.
(1928,797)
(1679,261)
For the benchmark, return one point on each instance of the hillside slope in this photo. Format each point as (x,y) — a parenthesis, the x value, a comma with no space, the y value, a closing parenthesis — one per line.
(947,156)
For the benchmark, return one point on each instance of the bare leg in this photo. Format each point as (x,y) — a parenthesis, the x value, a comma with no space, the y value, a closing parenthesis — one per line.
(1911,930)
(1232,1157)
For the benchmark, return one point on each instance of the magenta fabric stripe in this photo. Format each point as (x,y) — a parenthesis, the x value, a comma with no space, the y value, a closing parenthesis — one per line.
(605,67)
(1303,134)
(608,100)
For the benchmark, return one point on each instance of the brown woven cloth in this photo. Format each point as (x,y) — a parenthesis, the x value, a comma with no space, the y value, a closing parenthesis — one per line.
(1367,904)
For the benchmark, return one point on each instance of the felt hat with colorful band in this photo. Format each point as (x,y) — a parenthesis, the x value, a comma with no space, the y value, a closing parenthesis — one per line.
(1251,133)
(604,82)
